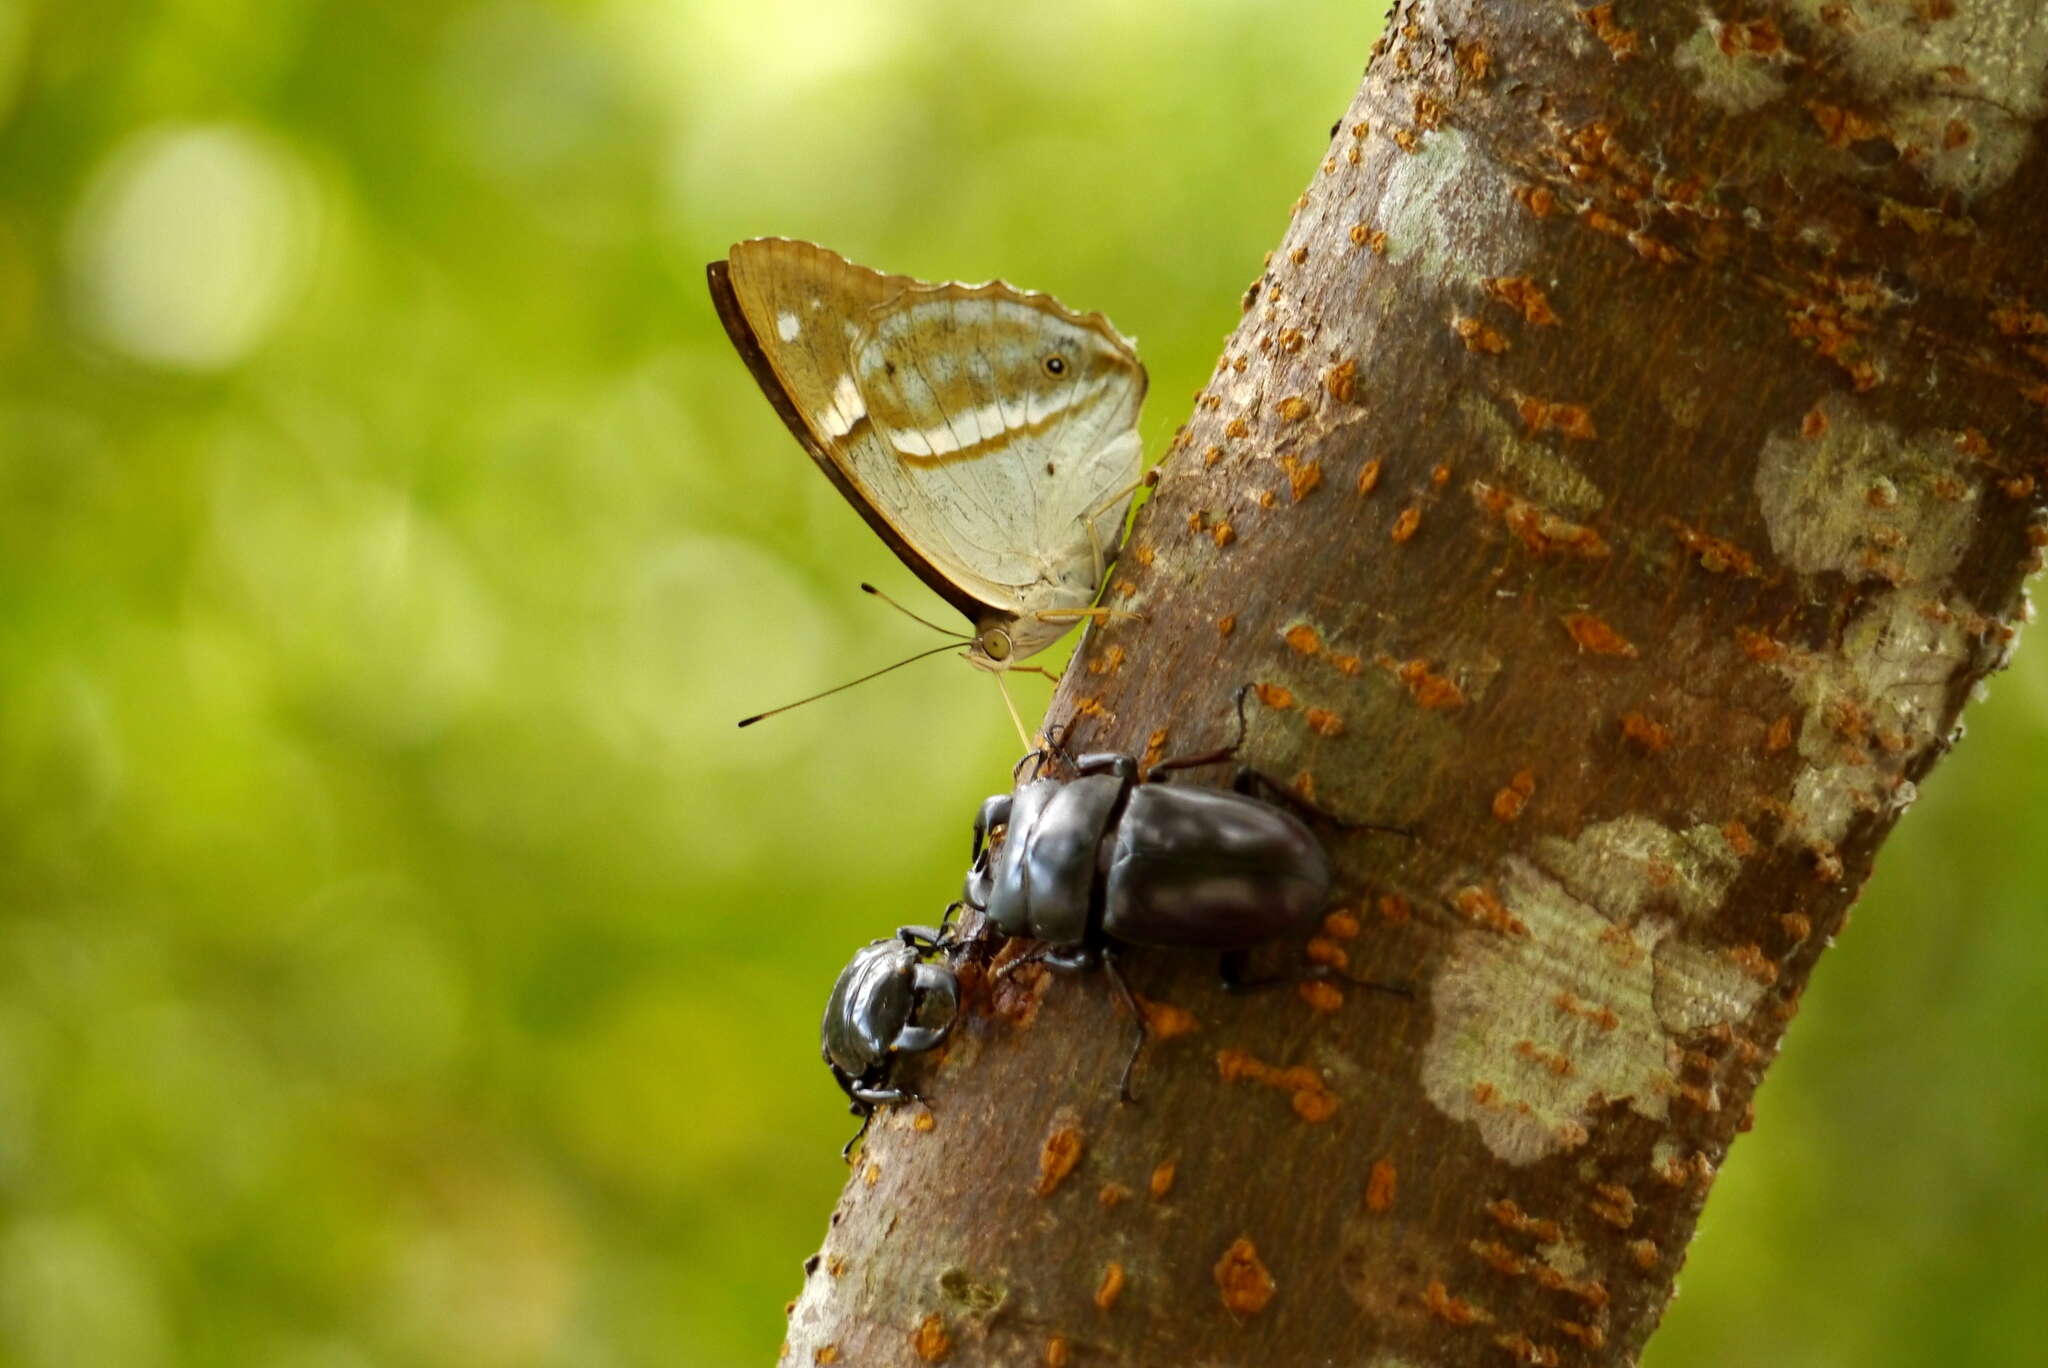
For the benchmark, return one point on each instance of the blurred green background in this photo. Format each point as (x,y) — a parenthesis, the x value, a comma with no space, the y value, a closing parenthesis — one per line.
(403,959)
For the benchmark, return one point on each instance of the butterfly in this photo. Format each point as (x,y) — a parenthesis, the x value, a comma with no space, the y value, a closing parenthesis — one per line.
(988,435)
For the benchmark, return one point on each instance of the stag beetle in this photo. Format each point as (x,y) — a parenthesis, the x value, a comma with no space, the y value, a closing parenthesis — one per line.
(1103,860)
(890,1000)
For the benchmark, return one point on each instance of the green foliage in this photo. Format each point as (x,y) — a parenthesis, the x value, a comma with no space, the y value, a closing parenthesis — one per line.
(402,957)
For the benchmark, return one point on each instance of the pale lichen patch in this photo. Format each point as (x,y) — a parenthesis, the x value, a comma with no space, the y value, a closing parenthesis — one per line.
(1697,986)
(1736,81)
(1540,471)
(1566,1256)
(1869,708)
(1522,1070)
(1864,501)
(1977,67)
(1446,209)
(1620,980)
(1666,1156)
(1624,866)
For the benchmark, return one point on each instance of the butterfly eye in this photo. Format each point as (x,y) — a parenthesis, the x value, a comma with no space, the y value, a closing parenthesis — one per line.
(1055,364)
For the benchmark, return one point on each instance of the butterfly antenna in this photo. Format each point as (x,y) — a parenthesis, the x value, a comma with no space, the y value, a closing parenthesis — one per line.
(1015,720)
(836,688)
(957,636)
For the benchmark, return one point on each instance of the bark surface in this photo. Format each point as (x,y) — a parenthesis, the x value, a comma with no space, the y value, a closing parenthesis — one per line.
(1623,471)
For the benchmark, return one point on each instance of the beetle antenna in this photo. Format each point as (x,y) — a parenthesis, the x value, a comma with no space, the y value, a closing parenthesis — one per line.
(867,588)
(750,721)
(1214,757)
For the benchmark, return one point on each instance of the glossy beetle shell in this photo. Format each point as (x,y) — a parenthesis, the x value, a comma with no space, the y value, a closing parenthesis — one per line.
(886,999)
(1204,869)
(1103,858)
(1045,874)
(1103,861)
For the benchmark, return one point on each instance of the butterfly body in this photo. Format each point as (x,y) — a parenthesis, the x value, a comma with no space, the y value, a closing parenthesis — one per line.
(987,434)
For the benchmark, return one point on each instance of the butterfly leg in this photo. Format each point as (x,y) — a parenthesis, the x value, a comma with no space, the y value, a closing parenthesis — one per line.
(1098,614)
(1145,481)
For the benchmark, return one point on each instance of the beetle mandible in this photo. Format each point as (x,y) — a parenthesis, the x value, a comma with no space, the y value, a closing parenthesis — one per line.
(1104,860)
(890,1000)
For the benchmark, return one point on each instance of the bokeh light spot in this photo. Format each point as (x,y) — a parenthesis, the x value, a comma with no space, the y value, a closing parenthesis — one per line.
(190,245)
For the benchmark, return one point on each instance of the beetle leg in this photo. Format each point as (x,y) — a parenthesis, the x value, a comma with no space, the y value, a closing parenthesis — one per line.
(865,1100)
(1124,767)
(927,938)
(1250,781)
(946,935)
(1123,990)
(882,1097)
(1232,964)
(867,1118)
(1078,959)
(1011,966)
(1056,740)
(1055,748)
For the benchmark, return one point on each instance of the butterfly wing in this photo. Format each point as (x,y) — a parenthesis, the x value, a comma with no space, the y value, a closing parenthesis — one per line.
(790,285)
(975,427)
(1010,419)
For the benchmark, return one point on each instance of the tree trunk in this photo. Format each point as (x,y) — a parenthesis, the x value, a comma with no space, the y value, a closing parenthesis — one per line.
(1622,473)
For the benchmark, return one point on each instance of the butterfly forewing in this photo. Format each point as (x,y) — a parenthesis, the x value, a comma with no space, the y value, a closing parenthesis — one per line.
(976,427)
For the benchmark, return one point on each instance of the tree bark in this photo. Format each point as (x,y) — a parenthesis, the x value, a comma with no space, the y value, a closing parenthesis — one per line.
(1623,471)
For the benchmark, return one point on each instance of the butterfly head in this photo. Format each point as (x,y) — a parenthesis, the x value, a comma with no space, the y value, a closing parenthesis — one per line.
(992,648)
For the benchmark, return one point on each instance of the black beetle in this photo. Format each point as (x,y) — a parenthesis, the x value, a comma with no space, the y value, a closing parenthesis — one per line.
(891,999)
(1103,860)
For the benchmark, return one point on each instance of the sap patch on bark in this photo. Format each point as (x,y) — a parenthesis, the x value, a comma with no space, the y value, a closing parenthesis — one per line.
(1602,927)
